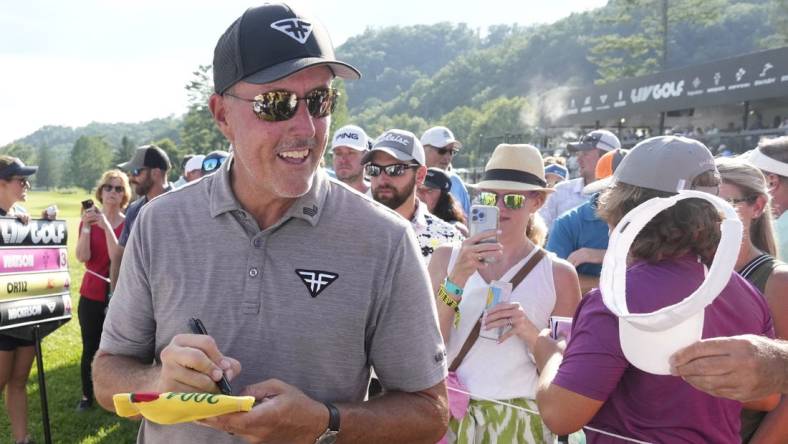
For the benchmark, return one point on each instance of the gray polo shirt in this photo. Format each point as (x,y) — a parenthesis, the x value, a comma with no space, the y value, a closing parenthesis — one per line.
(333,288)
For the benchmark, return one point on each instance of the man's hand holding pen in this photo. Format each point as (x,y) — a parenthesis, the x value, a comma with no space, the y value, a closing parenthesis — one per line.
(193,363)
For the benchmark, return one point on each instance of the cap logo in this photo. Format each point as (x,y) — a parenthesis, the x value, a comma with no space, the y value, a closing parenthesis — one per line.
(347,136)
(395,138)
(298,30)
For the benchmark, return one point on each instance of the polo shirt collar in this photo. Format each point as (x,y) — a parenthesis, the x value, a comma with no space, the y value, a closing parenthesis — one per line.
(308,207)
(419,219)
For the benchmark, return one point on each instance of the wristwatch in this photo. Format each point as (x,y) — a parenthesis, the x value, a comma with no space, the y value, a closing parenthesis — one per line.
(330,435)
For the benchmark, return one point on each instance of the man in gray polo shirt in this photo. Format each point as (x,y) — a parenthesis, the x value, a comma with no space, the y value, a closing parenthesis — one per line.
(296,318)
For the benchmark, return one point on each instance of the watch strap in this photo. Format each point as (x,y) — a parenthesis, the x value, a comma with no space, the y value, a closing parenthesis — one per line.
(333,417)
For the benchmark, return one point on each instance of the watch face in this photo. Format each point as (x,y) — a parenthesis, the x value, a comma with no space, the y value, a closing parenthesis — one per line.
(329,437)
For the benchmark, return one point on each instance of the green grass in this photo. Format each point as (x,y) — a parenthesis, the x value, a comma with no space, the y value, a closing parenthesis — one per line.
(61,356)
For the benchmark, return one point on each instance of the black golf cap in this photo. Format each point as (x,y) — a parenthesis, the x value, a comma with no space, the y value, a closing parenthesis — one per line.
(147,156)
(271,42)
(11,166)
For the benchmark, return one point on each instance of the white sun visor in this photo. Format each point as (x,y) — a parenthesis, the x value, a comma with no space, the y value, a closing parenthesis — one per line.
(766,163)
(649,339)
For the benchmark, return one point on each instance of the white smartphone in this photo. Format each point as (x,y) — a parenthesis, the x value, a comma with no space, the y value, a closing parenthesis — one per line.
(484,218)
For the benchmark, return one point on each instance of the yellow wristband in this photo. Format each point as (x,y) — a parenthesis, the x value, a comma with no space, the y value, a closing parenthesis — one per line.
(451,302)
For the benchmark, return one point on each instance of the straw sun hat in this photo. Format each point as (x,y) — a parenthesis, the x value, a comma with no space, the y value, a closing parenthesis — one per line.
(515,167)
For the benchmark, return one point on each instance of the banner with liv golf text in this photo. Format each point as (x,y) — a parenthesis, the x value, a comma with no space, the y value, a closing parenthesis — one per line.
(35,287)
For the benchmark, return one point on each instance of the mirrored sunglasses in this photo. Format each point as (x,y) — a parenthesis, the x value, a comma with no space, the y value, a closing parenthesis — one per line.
(397,169)
(107,187)
(213,163)
(510,201)
(278,106)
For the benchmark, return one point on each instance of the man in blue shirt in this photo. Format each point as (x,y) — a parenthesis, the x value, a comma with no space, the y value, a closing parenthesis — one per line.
(440,146)
(579,235)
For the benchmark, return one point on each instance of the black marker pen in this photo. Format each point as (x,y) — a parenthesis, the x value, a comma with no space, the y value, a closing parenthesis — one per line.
(198,328)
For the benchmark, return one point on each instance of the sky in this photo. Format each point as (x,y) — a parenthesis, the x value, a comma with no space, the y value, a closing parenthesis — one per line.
(74,62)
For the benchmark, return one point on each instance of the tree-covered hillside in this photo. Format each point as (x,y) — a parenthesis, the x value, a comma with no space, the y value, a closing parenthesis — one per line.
(483,84)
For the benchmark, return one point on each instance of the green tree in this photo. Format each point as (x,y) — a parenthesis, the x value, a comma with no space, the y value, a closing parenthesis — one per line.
(23,151)
(640,38)
(90,157)
(199,134)
(46,176)
(125,151)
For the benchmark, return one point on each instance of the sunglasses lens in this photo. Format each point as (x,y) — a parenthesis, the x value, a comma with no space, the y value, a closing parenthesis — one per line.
(210,164)
(486,198)
(513,201)
(372,170)
(275,106)
(395,170)
(321,102)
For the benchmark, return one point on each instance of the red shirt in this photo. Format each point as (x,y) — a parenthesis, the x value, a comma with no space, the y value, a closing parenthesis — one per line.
(92,287)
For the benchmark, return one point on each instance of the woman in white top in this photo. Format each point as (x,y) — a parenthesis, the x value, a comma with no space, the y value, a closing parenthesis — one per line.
(502,370)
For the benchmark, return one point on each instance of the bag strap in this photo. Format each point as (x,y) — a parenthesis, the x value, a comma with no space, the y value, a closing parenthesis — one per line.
(474,335)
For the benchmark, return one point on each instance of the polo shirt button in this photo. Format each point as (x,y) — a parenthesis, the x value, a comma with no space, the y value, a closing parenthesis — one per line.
(257,243)
(253,272)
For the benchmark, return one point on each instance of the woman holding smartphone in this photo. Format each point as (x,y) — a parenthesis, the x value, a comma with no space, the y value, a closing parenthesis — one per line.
(502,369)
(98,239)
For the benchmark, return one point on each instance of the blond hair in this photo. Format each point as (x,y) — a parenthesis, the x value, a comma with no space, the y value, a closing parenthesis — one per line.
(752,183)
(104,180)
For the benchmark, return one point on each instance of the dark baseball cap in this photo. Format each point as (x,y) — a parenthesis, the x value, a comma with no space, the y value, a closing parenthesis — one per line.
(11,166)
(271,42)
(437,178)
(147,156)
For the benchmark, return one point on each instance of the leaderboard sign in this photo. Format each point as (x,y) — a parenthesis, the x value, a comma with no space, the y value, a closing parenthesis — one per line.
(754,76)
(34,281)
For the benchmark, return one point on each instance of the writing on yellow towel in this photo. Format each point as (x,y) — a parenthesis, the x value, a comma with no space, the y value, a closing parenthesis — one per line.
(176,407)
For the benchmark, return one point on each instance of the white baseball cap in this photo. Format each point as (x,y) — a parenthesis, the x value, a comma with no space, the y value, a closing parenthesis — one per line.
(439,137)
(195,163)
(649,339)
(600,139)
(350,136)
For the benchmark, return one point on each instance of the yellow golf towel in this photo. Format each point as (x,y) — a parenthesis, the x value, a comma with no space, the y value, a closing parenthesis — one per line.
(175,407)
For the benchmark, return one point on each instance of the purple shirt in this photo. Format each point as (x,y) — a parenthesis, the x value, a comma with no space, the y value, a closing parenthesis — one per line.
(650,407)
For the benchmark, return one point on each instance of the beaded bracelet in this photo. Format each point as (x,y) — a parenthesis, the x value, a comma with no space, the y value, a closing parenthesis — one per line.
(451,302)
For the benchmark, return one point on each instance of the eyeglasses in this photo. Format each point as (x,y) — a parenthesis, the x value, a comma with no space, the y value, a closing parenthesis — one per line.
(213,163)
(137,171)
(444,151)
(107,187)
(510,201)
(278,106)
(395,170)
(738,200)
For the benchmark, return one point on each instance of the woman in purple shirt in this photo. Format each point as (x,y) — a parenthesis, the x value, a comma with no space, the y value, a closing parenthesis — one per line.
(592,383)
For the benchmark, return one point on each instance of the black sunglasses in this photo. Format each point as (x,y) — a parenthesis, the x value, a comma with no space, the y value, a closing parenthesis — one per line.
(397,169)
(137,171)
(278,106)
(443,151)
(107,187)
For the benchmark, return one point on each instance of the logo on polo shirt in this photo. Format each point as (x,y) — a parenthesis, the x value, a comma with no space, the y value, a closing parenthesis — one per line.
(311,212)
(298,30)
(316,280)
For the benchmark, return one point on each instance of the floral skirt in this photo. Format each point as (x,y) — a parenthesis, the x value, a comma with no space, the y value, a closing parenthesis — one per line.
(487,422)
